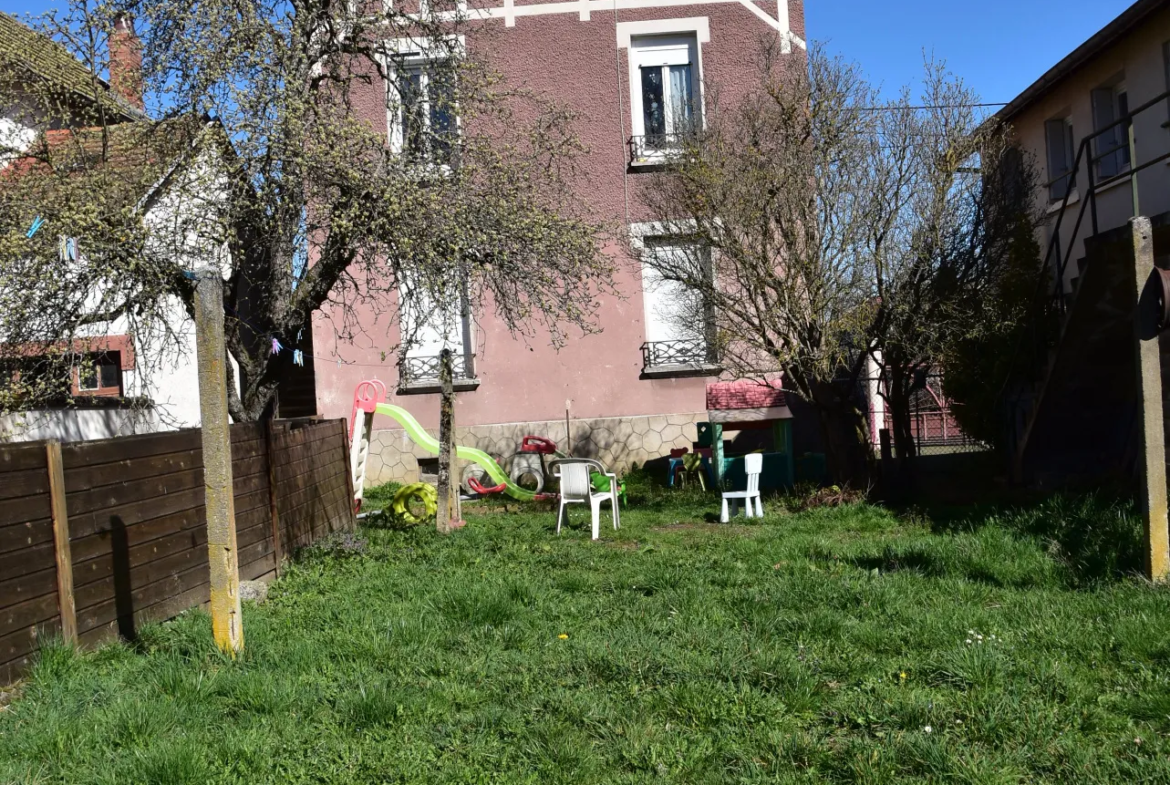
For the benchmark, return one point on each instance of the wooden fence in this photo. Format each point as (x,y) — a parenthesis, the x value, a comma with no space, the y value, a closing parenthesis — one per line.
(98,537)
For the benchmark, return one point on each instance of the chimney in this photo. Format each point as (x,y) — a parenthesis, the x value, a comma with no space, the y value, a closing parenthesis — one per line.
(126,62)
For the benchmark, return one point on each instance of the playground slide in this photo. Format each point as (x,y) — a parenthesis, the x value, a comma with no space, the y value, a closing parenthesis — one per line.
(423,439)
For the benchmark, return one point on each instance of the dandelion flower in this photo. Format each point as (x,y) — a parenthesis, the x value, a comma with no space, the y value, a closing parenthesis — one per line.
(563,637)
(902,675)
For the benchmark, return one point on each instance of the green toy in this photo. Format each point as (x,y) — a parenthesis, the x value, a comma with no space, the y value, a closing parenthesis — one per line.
(600,483)
(421,492)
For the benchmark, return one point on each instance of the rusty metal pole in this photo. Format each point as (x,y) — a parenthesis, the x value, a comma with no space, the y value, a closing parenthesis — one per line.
(449,516)
(1149,388)
(226,619)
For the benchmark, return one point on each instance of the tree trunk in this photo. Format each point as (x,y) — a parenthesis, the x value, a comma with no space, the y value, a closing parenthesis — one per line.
(842,424)
(448,518)
(898,395)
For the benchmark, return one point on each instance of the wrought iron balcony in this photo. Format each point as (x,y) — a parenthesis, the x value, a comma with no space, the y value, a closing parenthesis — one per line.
(655,149)
(688,356)
(423,372)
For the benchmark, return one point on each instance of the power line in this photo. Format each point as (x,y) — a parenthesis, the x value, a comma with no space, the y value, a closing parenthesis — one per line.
(898,108)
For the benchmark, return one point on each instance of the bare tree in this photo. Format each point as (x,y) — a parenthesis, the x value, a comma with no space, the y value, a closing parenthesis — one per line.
(287,180)
(958,240)
(822,224)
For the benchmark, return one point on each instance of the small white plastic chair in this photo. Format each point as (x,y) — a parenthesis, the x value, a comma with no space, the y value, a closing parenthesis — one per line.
(576,489)
(753,464)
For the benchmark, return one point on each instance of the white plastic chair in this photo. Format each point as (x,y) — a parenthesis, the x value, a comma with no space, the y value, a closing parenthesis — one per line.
(576,489)
(753,464)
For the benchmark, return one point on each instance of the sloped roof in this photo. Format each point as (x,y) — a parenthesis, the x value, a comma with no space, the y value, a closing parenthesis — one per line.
(1127,21)
(745,394)
(23,47)
(128,161)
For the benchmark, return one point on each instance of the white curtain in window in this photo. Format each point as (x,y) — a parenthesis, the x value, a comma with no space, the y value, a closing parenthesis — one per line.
(673,312)
(428,326)
(681,102)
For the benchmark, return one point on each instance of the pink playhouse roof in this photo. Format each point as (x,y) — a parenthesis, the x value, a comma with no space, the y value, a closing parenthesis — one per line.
(745,394)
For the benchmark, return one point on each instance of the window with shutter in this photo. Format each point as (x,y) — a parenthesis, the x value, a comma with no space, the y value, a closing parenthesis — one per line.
(1111,145)
(1058,136)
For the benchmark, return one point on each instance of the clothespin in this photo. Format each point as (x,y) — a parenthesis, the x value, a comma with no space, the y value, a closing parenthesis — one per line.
(276,347)
(36,224)
(298,357)
(299,333)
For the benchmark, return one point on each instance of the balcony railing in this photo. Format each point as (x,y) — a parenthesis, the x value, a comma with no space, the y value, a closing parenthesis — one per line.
(688,353)
(424,371)
(657,148)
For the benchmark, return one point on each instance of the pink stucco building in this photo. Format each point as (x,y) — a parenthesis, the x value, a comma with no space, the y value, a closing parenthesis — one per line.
(636,389)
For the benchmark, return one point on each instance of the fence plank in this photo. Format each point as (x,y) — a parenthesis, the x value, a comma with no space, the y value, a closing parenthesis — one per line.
(124,448)
(65,599)
(16,648)
(19,536)
(129,528)
(22,457)
(28,613)
(25,561)
(273,506)
(107,612)
(134,558)
(137,512)
(25,509)
(93,545)
(27,482)
(85,478)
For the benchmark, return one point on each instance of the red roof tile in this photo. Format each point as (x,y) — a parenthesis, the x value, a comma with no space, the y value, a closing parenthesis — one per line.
(745,394)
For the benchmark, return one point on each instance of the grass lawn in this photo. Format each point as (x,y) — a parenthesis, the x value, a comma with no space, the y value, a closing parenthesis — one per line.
(834,645)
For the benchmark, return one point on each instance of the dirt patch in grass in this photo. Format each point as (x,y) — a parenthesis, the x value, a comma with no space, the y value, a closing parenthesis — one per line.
(8,694)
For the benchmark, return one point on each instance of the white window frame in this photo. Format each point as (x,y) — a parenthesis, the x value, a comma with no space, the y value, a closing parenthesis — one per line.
(661,41)
(455,331)
(643,236)
(412,54)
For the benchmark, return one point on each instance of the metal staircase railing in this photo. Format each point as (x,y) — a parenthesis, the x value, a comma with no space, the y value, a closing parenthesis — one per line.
(1036,351)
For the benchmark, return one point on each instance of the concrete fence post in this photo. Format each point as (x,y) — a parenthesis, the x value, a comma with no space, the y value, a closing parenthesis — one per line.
(1152,462)
(226,618)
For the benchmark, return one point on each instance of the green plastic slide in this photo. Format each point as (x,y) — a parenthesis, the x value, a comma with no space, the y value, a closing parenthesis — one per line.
(429,443)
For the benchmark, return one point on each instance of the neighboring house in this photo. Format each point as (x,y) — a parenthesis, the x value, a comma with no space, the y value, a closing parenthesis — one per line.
(125,379)
(638,74)
(44,87)
(1084,102)
(1097,125)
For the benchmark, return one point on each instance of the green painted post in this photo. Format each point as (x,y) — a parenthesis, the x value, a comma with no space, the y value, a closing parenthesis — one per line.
(717,454)
(782,442)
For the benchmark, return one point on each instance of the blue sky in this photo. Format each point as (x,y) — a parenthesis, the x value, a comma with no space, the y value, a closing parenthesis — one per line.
(998,46)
